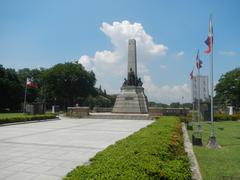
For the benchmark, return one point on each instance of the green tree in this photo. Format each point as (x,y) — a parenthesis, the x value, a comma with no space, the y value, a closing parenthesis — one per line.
(175,105)
(69,83)
(187,105)
(228,89)
(155,104)
(11,90)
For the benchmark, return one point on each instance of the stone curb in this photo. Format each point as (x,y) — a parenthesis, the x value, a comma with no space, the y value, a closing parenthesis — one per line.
(196,175)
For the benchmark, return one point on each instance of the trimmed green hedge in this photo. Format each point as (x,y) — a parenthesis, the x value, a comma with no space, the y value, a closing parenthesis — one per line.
(217,117)
(154,152)
(24,117)
(226,117)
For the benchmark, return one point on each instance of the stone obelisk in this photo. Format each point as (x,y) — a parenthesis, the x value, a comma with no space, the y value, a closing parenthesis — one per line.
(132,56)
(132,98)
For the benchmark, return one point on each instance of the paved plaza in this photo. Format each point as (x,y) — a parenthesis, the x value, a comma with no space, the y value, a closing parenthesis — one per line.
(49,150)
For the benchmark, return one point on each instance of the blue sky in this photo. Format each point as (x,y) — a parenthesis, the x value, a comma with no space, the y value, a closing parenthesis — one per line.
(43,33)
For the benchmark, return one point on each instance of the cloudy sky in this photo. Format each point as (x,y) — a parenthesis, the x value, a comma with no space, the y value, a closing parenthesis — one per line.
(168,33)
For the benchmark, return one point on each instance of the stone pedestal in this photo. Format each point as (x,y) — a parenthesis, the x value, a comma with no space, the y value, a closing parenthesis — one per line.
(131,100)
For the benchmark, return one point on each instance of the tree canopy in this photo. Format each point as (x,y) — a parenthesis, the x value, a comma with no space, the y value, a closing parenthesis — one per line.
(69,83)
(11,89)
(228,89)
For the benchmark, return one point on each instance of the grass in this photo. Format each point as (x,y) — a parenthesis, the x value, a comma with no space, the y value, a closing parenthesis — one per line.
(21,117)
(216,163)
(154,152)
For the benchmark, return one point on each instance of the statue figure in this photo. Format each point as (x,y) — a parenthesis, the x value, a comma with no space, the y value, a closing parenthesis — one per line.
(139,82)
(125,83)
(131,78)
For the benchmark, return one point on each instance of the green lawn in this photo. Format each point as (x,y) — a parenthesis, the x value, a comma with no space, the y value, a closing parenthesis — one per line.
(154,152)
(216,163)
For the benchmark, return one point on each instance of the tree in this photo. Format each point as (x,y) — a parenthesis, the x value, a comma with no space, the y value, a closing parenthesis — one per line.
(187,105)
(69,83)
(155,104)
(11,90)
(175,105)
(228,89)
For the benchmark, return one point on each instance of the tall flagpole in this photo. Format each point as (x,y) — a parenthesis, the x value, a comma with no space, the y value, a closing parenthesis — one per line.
(199,127)
(212,143)
(193,116)
(211,77)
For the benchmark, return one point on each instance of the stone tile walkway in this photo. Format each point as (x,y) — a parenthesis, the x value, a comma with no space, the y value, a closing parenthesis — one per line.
(49,150)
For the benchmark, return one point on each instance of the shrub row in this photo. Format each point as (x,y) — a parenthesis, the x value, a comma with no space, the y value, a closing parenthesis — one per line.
(217,117)
(226,117)
(25,117)
(154,152)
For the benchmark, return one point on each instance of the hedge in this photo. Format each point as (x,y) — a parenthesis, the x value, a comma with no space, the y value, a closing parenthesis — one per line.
(154,152)
(217,117)
(226,117)
(25,117)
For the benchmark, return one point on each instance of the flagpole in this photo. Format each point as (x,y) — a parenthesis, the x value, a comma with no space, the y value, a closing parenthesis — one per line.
(212,143)
(193,117)
(199,117)
(25,97)
(211,77)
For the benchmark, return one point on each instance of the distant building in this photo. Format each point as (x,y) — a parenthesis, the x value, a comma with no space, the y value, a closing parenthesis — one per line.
(204,94)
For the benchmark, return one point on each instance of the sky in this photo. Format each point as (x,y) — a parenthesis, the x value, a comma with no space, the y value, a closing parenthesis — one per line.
(169,33)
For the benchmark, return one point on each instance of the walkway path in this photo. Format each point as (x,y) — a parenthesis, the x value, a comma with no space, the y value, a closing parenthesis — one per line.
(49,150)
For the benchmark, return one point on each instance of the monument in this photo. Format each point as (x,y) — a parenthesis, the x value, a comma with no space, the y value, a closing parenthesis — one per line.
(131,98)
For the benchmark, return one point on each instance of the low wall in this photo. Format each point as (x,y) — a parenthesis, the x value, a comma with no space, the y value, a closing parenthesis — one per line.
(77,111)
(102,109)
(157,111)
(35,108)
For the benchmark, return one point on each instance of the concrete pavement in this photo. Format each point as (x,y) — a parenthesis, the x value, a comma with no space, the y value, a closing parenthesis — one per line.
(49,150)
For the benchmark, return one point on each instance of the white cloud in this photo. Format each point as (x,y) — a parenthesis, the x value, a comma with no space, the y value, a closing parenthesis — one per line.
(166,93)
(85,61)
(120,32)
(179,54)
(227,53)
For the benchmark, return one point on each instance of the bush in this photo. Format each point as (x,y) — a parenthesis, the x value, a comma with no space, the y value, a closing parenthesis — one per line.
(154,152)
(25,117)
(226,117)
(217,117)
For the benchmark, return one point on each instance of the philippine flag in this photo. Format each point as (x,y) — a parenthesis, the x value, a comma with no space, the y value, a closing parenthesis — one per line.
(209,41)
(198,61)
(191,75)
(30,83)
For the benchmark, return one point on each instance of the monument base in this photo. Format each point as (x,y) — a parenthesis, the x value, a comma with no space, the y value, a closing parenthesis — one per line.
(131,100)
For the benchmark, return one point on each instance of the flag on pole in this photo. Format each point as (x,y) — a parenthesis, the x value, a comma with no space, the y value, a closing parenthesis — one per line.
(209,41)
(191,75)
(31,84)
(198,61)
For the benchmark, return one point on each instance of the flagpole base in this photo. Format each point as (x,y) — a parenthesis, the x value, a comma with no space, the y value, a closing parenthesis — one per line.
(212,142)
(197,138)
(189,125)
(199,128)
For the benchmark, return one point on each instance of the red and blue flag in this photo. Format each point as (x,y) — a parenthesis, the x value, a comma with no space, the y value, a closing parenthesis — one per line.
(198,61)
(209,41)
